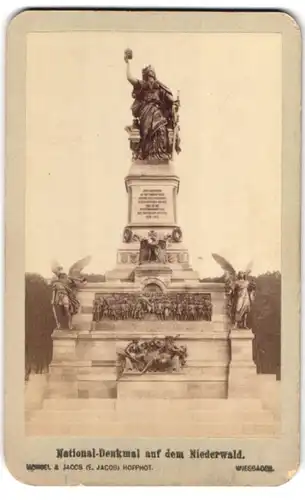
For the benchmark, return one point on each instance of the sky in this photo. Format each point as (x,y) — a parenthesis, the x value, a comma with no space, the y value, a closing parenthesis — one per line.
(77,152)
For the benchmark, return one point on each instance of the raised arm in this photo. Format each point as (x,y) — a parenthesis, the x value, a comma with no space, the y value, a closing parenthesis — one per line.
(129,76)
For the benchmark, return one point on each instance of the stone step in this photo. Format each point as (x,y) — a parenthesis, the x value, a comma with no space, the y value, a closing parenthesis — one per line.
(172,405)
(79,404)
(188,417)
(154,429)
(265,378)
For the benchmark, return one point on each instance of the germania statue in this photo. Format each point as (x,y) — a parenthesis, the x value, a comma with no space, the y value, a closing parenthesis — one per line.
(154,135)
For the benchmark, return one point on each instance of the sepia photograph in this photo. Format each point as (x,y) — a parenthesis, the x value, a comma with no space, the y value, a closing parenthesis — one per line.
(152,180)
(153,241)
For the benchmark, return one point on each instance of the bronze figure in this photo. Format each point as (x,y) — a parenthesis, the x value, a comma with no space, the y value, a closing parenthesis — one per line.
(154,355)
(155,113)
(240,291)
(65,289)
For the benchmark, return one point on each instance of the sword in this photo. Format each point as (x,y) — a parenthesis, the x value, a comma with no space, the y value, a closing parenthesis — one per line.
(175,127)
(55,316)
(53,308)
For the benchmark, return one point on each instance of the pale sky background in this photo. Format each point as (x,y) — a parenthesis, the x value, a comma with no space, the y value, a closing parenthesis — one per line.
(78,103)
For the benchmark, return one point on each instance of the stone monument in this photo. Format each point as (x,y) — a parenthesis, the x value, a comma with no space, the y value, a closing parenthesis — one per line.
(152,330)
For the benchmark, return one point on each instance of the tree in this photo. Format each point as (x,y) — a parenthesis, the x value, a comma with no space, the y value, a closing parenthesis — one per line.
(266,323)
(39,324)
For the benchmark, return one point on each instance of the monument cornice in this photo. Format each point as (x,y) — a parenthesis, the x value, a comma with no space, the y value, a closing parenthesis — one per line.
(152,177)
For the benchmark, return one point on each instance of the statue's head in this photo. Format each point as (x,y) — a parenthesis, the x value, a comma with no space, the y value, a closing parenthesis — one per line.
(62,275)
(148,73)
(241,275)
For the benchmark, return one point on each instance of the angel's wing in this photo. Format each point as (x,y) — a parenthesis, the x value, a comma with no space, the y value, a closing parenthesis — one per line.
(56,267)
(224,264)
(77,268)
(249,267)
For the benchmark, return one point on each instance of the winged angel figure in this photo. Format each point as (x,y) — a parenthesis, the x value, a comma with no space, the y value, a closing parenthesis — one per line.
(240,292)
(64,289)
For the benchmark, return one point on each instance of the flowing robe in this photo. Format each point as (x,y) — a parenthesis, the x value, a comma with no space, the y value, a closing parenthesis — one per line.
(242,300)
(153,109)
(64,294)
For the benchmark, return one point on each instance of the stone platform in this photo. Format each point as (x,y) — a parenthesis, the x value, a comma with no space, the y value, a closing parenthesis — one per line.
(178,386)
(152,190)
(85,360)
(219,364)
(129,417)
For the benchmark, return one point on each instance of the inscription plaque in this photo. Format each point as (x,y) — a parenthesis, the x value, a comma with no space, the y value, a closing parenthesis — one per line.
(152,204)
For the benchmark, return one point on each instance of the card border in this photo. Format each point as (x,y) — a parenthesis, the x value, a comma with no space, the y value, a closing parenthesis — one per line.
(16,445)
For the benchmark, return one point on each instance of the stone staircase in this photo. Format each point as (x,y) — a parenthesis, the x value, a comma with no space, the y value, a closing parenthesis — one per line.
(152,418)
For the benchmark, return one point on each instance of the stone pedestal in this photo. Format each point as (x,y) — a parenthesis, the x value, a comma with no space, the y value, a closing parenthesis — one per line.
(64,344)
(170,386)
(85,361)
(63,369)
(152,191)
(242,370)
(156,273)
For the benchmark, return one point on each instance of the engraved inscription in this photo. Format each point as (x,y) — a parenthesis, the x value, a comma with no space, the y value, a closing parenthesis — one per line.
(152,203)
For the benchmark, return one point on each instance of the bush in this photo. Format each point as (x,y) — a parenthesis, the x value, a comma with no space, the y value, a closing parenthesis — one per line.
(266,323)
(39,324)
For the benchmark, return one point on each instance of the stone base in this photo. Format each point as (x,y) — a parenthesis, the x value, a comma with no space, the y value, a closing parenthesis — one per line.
(139,417)
(126,273)
(173,386)
(157,271)
(153,325)
(243,380)
(84,361)
(105,389)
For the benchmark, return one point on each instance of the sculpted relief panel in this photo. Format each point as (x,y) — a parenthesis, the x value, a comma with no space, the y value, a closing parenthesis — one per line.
(170,257)
(154,355)
(152,305)
(153,247)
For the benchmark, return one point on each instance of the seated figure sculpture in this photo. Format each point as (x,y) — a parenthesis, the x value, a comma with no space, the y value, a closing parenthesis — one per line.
(154,355)
(155,113)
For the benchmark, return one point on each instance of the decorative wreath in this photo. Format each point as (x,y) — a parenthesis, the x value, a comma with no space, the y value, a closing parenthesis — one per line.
(177,234)
(127,235)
